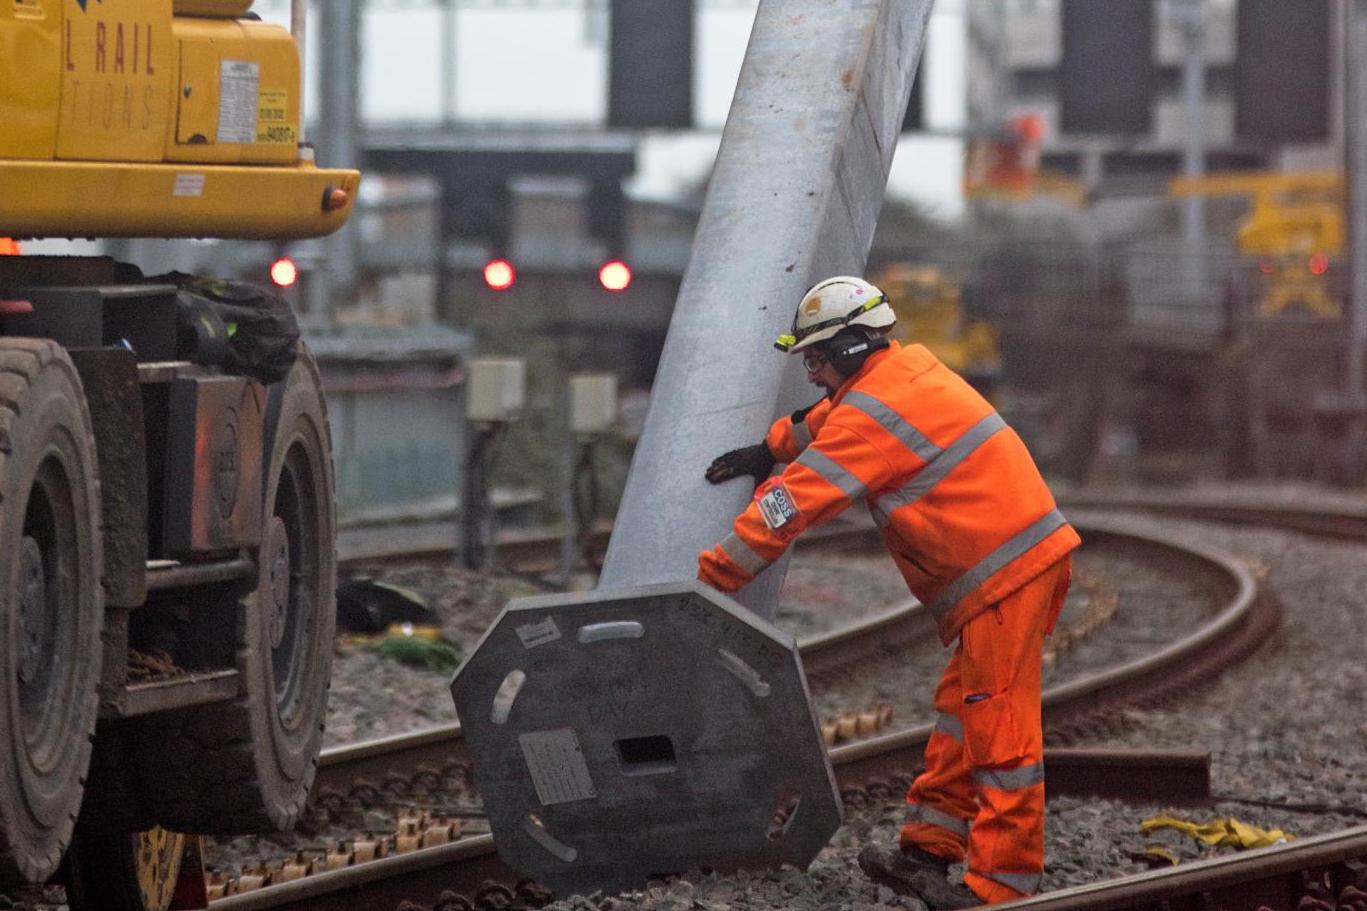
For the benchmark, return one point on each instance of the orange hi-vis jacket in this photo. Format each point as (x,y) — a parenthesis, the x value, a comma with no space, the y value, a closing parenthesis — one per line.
(963,509)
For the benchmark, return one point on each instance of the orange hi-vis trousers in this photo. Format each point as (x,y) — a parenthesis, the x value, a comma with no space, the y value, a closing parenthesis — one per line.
(982,793)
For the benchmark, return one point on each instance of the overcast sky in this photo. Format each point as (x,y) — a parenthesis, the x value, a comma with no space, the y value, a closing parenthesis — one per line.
(549,66)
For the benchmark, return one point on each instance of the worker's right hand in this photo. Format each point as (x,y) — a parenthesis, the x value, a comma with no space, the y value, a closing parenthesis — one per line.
(756,461)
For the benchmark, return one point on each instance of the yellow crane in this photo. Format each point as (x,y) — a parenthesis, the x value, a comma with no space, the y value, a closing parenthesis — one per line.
(154,118)
(166,505)
(1294,231)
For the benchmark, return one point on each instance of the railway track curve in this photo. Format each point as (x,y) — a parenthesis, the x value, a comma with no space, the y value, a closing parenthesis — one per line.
(467,873)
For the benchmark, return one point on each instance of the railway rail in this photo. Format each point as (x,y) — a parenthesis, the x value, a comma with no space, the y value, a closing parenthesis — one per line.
(468,873)
(1340,521)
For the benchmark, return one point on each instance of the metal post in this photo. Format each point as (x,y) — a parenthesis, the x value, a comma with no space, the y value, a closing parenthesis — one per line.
(569,522)
(315,284)
(449,24)
(338,132)
(299,19)
(477,518)
(1191,18)
(1355,161)
(794,196)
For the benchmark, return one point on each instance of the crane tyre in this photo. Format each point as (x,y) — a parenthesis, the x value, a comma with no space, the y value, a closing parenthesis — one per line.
(51,602)
(246,766)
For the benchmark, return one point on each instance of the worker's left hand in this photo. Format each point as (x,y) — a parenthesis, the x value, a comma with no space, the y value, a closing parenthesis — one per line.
(756,461)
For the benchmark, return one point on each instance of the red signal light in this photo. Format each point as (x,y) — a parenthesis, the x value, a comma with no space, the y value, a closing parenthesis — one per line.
(284,272)
(615,275)
(499,274)
(1319,264)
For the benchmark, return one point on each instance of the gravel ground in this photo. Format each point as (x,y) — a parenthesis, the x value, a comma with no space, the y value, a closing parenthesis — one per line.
(1285,729)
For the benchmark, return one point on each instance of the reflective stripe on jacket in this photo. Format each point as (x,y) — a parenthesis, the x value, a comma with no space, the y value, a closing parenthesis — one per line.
(963,509)
(792,434)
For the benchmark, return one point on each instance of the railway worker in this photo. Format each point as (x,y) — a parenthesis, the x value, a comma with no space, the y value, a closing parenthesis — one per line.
(975,532)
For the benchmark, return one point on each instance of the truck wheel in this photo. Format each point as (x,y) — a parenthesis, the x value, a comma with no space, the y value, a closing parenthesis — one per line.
(51,603)
(246,766)
(111,869)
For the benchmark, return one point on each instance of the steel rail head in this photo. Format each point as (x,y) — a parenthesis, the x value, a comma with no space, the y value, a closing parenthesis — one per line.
(1239,608)
(1342,520)
(1239,881)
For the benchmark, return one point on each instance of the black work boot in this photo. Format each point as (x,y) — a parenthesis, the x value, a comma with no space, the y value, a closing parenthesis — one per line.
(916,872)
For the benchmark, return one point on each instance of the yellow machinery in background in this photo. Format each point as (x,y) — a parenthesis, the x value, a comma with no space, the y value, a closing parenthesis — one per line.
(1282,351)
(930,312)
(167,530)
(1294,232)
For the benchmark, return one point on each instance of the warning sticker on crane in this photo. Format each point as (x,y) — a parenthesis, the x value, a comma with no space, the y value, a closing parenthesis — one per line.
(188,184)
(272,117)
(239,84)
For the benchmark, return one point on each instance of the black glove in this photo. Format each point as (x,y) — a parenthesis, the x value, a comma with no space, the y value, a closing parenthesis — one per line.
(756,461)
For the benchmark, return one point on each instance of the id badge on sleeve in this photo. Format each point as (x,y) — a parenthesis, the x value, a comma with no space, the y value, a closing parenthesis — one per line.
(778,510)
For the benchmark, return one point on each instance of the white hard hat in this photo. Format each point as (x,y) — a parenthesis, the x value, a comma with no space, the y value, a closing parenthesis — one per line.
(833,304)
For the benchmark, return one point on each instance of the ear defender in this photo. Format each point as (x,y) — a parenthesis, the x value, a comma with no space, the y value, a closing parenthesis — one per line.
(850,348)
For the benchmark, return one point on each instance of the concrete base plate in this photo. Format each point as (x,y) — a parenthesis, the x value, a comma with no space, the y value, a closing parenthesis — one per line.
(621,734)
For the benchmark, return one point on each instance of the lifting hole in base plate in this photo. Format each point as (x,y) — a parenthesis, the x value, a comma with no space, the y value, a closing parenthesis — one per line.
(506,696)
(534,827)
(646,755)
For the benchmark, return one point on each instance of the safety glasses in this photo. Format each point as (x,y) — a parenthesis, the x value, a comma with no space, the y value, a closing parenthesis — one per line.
(813,361)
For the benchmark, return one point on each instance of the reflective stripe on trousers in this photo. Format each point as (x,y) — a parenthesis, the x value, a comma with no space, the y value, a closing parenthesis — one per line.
(1024,883)
(1010,779)
(929,816)
(950,727)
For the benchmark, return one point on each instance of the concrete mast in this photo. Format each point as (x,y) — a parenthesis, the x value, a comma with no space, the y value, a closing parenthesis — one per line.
(794,197)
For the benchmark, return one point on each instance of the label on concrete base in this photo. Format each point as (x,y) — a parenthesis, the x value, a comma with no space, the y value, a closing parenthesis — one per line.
(557,766)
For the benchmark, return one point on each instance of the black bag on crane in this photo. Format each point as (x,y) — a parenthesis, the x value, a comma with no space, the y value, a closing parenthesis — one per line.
(242,327)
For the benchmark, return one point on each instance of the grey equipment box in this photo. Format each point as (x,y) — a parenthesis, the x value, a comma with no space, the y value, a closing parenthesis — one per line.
(625,733)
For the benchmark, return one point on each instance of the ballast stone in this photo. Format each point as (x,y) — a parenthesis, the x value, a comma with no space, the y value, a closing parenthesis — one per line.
(626,733)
